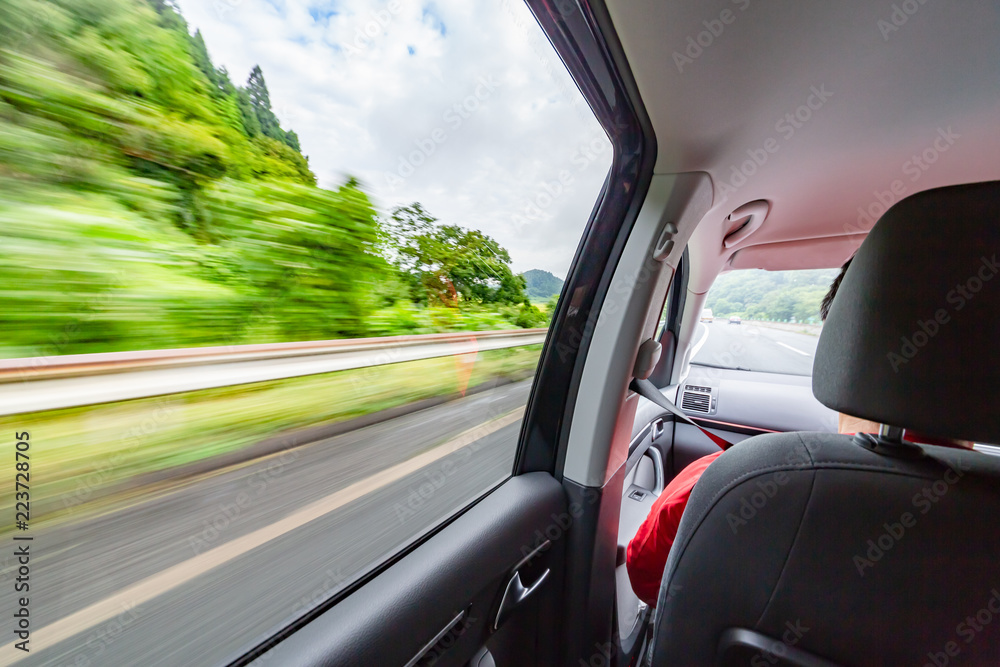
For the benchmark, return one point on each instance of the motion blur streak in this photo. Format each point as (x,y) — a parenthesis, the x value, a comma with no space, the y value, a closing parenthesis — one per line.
(179,574)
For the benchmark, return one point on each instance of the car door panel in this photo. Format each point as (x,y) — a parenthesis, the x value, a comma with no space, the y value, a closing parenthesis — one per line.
(461,573)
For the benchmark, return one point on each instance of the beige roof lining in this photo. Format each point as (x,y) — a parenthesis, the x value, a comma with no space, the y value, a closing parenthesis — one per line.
(814,106)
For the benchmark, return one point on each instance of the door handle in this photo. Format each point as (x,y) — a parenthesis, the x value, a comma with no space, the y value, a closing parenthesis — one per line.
(515,594)
(657,429)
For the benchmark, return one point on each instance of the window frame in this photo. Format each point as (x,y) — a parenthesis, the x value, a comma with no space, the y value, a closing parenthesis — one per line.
(583,35)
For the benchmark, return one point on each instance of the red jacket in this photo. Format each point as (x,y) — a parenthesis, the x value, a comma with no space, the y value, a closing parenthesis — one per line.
(648,550)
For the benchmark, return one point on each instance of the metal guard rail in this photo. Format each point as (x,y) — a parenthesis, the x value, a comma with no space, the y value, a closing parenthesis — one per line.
(48,383)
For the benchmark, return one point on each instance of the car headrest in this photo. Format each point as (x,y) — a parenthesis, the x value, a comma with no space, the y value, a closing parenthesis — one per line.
(912,336)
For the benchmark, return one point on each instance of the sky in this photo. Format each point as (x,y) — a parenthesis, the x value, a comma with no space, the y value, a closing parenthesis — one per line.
(462,106)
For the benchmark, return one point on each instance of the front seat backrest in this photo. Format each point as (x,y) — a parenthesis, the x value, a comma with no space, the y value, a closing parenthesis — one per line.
(819,549)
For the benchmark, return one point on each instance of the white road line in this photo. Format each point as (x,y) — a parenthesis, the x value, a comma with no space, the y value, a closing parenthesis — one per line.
(158,584)
(804,354)
(697,346)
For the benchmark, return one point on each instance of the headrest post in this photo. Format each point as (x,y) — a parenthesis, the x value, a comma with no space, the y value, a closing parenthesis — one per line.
(890,433)
(889,442)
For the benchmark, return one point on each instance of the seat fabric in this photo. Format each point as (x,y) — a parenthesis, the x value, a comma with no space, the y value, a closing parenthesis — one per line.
(829,547)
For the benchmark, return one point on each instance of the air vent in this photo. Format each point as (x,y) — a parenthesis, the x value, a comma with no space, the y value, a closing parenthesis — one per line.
(694,401)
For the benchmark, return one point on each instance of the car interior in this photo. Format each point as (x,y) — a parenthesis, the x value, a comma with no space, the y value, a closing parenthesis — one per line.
(791,134)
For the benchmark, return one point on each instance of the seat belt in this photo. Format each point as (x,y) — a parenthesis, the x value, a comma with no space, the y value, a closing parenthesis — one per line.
(648,390)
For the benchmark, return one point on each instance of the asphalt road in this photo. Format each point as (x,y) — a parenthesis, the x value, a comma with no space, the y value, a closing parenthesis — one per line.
(199,573)
(756,348)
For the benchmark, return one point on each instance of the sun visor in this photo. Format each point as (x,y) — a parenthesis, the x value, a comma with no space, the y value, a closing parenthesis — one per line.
(823,253)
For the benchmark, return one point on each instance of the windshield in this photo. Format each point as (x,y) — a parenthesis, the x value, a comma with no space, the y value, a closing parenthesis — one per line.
(763,321)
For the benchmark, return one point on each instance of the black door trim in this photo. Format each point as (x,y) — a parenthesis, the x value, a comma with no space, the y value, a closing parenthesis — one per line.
(582,34)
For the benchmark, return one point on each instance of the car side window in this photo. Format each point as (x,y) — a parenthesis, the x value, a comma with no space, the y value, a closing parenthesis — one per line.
(275,282)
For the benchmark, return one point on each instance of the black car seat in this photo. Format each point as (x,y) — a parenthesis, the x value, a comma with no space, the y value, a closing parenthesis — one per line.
(820,549)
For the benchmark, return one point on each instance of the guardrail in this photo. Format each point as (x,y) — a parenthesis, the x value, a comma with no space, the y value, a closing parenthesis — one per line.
(47,383)
(801,327)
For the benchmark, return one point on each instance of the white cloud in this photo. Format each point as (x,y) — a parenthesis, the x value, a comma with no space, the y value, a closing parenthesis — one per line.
(472,91)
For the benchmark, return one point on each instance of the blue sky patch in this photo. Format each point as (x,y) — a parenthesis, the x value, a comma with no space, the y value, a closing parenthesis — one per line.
(431,18)
(321,12)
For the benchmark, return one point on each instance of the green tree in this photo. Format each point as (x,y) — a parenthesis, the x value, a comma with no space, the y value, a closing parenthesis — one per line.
(260,99)
(778,295)
(260,102)
(448,264)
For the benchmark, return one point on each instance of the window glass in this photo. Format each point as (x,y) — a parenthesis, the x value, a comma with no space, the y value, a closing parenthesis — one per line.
(181,179)
(664,314)
(766,321)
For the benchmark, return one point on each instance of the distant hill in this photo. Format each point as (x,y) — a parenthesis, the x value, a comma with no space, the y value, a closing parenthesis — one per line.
(542,284)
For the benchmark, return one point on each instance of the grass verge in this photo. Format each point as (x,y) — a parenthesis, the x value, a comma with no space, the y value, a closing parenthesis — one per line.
(77,453)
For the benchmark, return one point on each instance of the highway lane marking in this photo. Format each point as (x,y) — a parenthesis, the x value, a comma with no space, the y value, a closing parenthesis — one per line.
(173,577)
(697,346)
(804,354)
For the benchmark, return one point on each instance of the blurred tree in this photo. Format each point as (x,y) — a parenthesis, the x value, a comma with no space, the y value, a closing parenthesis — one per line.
(143,205)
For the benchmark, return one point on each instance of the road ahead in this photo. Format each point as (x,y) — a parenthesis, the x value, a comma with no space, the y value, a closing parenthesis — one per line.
(756,348)
(198,574)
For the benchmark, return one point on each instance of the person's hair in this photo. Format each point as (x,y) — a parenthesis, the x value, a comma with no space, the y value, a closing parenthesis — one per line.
(824,307)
